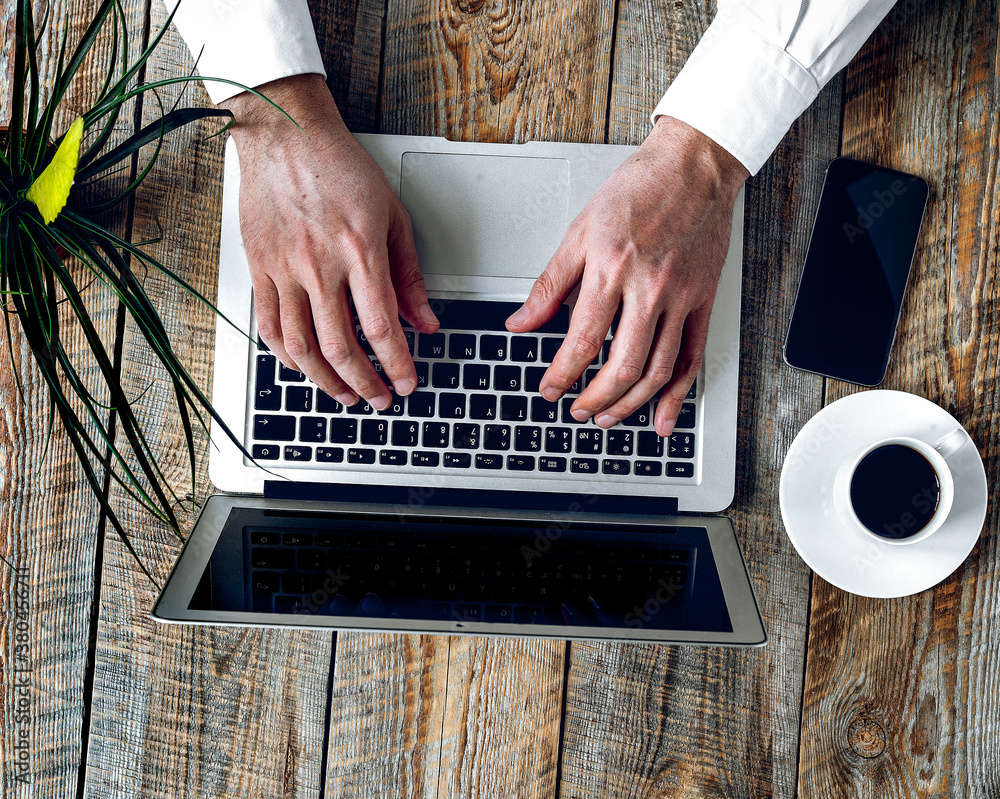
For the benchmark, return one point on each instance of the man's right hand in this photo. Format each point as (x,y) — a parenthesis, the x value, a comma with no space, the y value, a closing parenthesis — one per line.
(319,220)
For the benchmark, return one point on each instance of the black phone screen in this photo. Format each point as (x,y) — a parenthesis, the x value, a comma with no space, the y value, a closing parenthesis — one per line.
(855,272)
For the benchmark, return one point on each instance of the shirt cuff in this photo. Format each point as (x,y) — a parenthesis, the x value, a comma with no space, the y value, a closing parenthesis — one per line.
(250,43)
(740,90)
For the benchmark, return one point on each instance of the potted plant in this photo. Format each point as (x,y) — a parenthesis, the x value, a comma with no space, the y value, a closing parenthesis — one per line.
(55,190)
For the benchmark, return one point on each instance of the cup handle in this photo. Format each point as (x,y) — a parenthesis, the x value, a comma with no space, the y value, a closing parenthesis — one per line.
(951,442)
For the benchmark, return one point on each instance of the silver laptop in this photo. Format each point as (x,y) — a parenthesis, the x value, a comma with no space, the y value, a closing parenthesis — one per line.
(473,505)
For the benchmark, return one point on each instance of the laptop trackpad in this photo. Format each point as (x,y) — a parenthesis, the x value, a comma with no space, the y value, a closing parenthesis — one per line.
(485,215)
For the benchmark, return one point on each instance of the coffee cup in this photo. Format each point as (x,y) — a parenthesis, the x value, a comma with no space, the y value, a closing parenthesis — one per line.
(899,490)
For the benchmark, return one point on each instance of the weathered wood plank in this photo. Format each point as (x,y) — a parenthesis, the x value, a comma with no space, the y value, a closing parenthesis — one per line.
(689,721)
(48,516)
(184,711)
(902,697)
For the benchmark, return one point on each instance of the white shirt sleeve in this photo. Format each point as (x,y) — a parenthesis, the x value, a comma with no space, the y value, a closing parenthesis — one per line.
(760,65)
(248,41)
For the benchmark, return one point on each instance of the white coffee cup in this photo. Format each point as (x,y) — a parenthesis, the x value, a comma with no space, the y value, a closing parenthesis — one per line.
(937,454)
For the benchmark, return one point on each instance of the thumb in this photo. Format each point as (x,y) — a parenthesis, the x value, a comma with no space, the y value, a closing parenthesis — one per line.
(552,287)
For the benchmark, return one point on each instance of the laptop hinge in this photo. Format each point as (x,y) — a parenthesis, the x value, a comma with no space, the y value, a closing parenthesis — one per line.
(418,496)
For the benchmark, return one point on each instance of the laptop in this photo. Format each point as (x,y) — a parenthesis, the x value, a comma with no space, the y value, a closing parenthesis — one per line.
(473,505)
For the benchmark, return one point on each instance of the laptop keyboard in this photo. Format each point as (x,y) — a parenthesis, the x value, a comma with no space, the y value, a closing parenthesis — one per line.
(476,409)
(494,578)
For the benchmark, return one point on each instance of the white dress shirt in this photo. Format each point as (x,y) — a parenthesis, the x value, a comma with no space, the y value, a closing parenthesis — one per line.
(756,69)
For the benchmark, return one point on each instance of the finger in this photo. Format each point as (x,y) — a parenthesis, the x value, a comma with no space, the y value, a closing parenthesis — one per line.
(689,361)
(299,341)
(625,367)
(552,287)
(266,306)
(378,314)
(408,280)
(595,309)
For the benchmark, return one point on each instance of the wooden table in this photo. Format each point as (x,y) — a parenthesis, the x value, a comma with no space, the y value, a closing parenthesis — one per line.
(852,697)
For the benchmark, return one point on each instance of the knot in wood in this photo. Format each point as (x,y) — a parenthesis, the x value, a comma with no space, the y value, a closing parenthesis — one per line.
(471,6)
(866,737)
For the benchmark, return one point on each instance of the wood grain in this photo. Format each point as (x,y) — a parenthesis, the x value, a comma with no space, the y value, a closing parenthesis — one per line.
(902,697)
(691,721)
(188,711)
(49,518)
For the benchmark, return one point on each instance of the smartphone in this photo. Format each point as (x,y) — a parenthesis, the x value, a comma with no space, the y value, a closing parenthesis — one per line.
(855,273)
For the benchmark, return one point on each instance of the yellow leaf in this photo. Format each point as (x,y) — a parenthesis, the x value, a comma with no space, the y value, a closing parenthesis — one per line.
(50,191)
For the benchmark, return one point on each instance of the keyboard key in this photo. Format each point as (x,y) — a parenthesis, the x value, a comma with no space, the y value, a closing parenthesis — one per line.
(486,461)
(514,408)
(298,453)
(575,387)
(544,411)
(435,435)
(298,398)
(411,338)
(589,440)
(445,375)
(360,455)
(615,466)
(680,469)
(274,428)
(567,417)
(520,463)
(431,345)
(343,431)
(312,428)
(265,371)
(466,436)
(457,460)
(507,378)
(648,468)
(493,348)
(265,452)
(497,437)
(550,346)
(605,351)
(395,407)
(650,445)
(462,346)
(263,586)
(404,433)
(366,345)
(267,395)
(547,464)
(423,373)
(620,442)
(686,419)
(640,418)
(558,439)
(583,465)
(527,439)
(524,348)
(590,375)
(476,377)
(451,406)
(361,408)
(421,404)
(533,378)
(327,404)
(682,445)
(329,455)
(289,375)
(482,406)
(419,458)
(501,613)
(693,391)
(271,558)
(392,457)
(374,432)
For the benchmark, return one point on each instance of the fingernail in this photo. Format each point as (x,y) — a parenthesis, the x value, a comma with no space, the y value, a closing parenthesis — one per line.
(581,414)
(404,387)
(347,398)
(427,315)
(551,394)
(380,403)
(519,316)
(607,420)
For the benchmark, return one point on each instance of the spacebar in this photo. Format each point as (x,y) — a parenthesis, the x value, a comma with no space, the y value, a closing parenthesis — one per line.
(487,315)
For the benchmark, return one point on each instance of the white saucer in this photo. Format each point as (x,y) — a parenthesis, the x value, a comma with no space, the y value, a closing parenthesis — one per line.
(846,557)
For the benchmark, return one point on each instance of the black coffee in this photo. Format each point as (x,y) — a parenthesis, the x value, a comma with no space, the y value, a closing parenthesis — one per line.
(895,491)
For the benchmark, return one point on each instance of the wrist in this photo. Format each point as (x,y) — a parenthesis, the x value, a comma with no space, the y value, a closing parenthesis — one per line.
(679,141)
(305,98)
